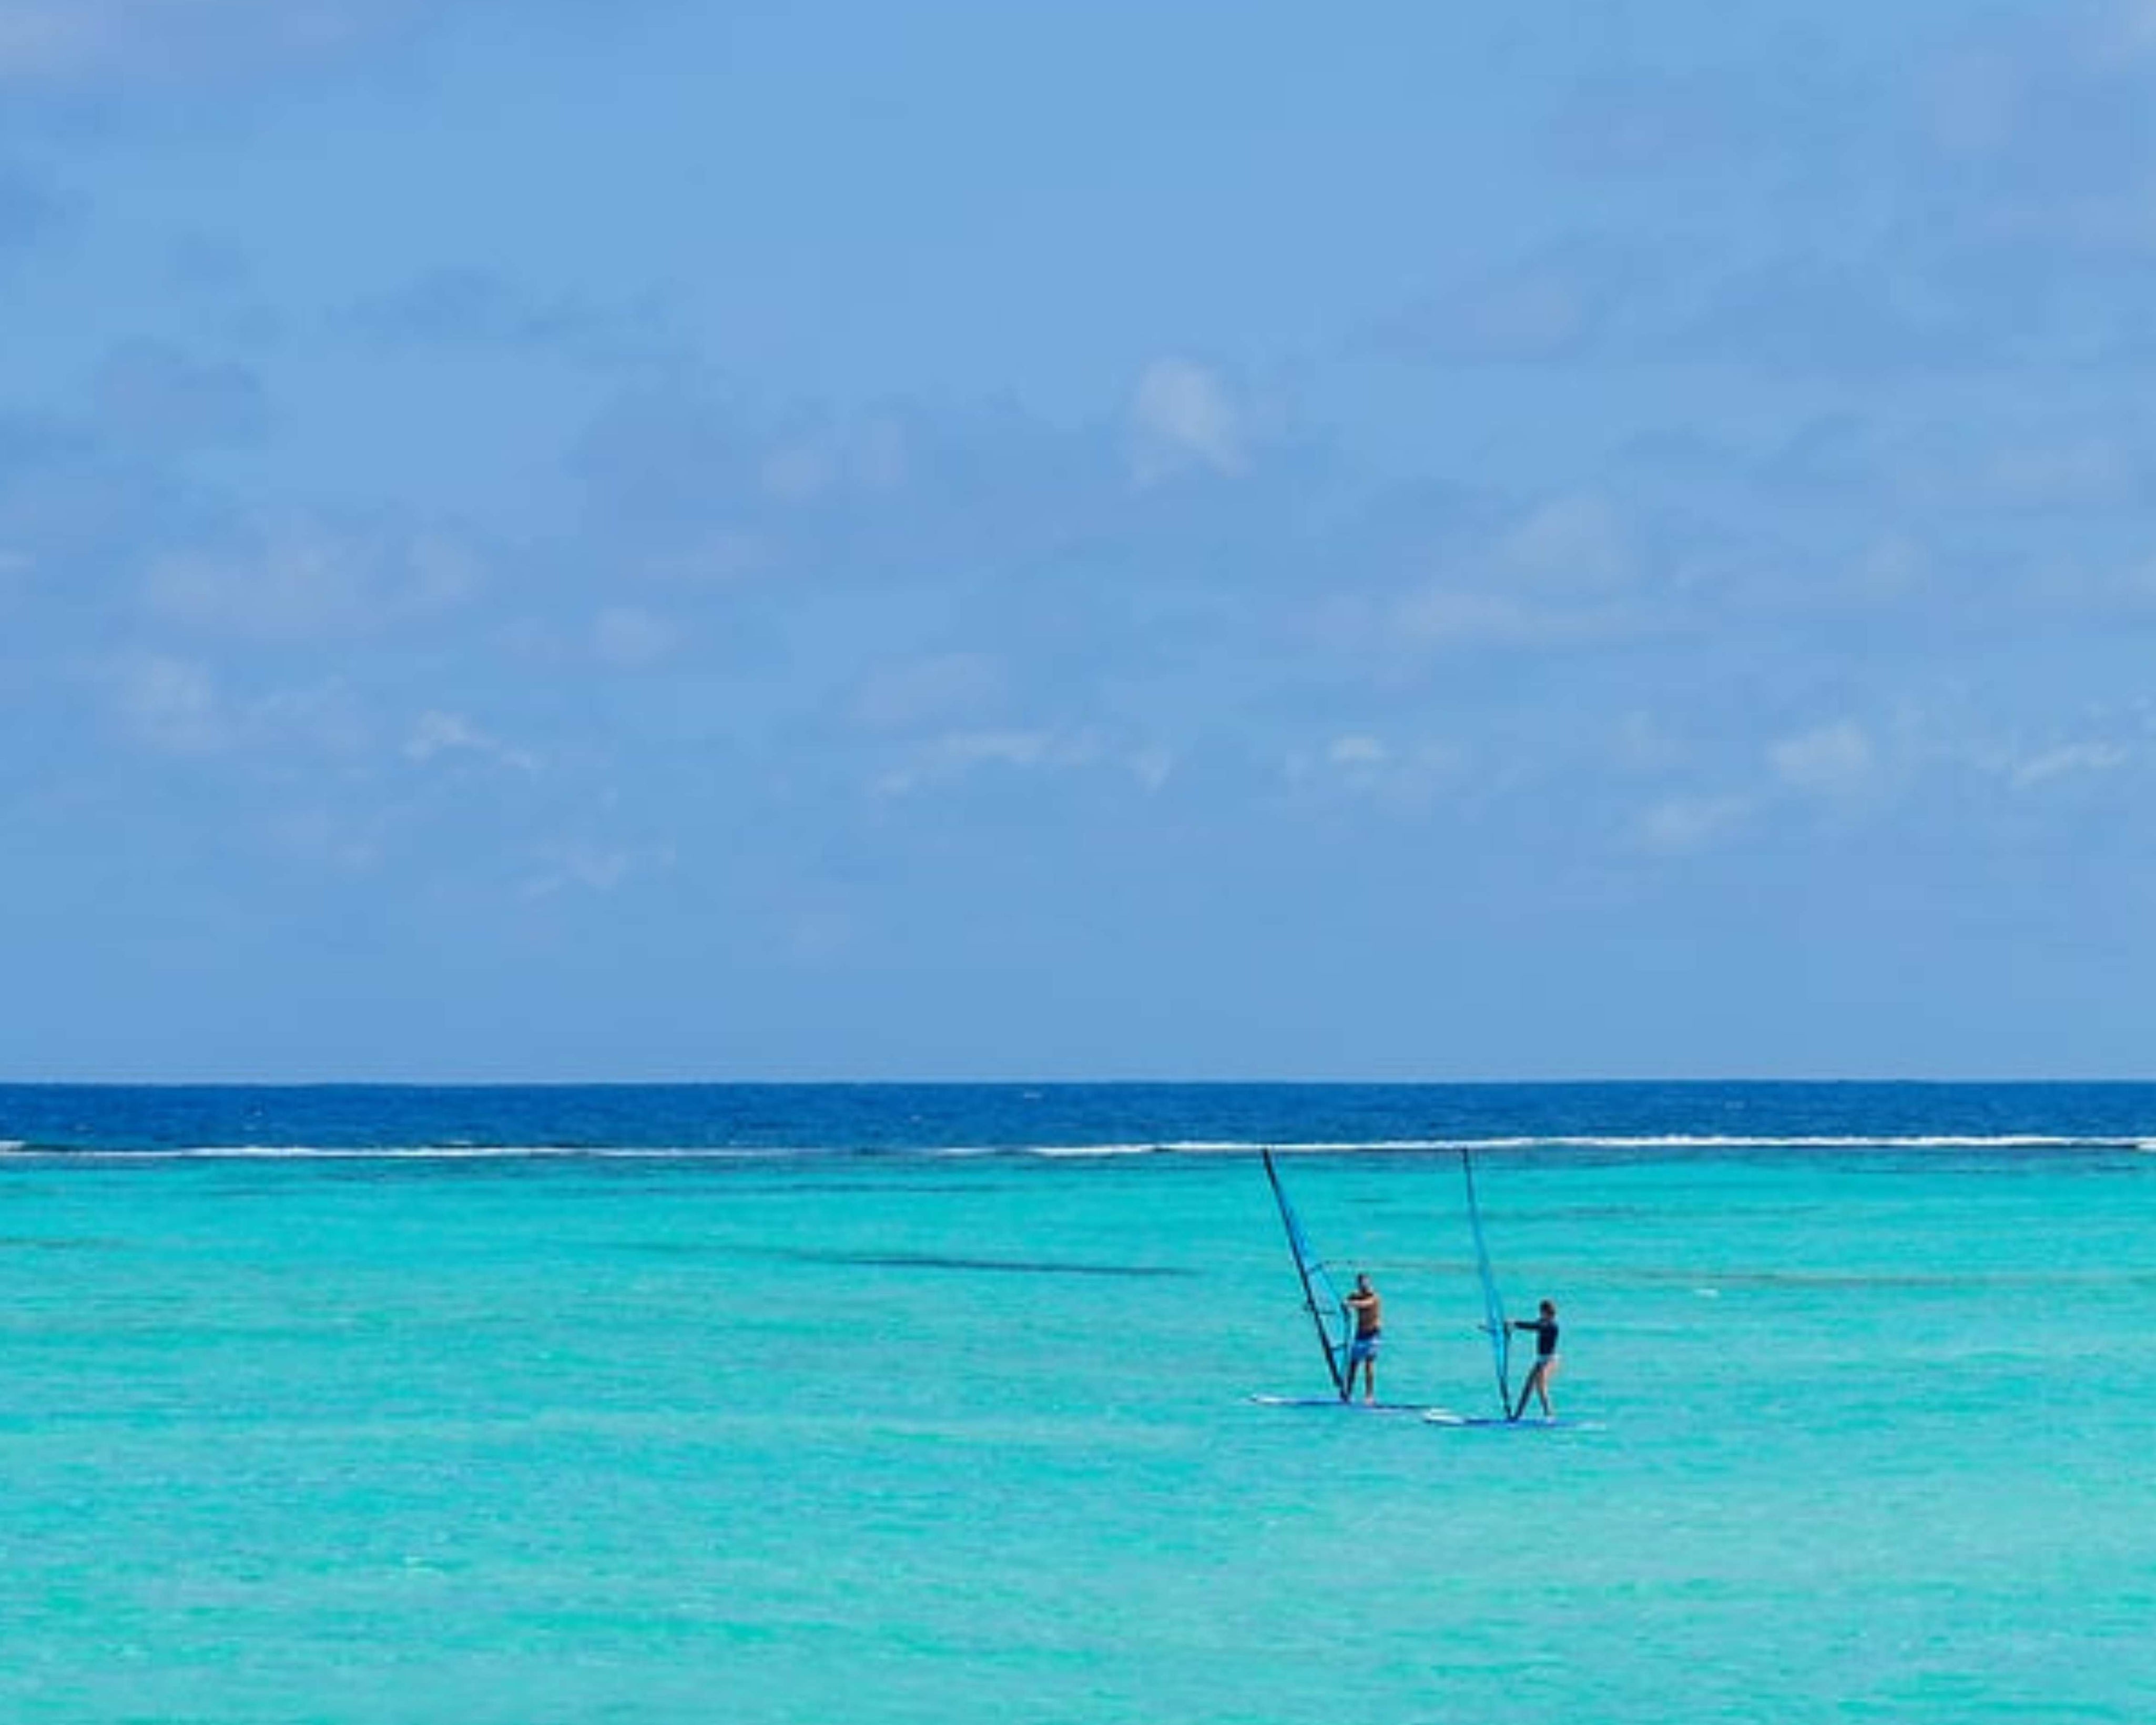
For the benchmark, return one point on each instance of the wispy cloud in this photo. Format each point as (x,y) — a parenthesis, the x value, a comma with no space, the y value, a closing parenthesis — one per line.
(2067,759)
(1152,765)
(960,755)
(500,510)
(583,866)
(1183,417)
(1360,765)
(1833,760)
(1679,826)
(439,734)
(1571,542)
(305,579)
(170,704)
(176,704)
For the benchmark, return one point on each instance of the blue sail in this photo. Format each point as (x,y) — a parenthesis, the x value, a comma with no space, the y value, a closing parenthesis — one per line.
(1328,1312)
(1493,1304)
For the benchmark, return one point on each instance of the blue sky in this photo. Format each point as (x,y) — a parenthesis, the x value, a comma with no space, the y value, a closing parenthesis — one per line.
(648,539)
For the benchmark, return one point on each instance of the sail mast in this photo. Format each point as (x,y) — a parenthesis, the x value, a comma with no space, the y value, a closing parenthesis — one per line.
(1493,1304)
(1326,1311)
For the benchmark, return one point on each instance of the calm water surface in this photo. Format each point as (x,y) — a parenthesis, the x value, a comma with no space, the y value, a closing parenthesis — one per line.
(568,1410)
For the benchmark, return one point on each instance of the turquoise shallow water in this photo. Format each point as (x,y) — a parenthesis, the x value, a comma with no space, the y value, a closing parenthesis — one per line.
(893,1438)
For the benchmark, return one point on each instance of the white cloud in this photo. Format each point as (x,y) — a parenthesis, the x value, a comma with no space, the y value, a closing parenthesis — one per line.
(180,705)
(1834,760)
(1443,614)
(170,704)
(1355,763)
(959,754)
(594,868)
(439,733)
(303,588)
(301,580)
(2070,758)
(1183,417)
(1152,765)
(1677,825)
(1571,542)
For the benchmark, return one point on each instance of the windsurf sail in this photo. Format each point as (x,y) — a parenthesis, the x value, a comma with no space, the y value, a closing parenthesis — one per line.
(1493,1304)
(1328,1312)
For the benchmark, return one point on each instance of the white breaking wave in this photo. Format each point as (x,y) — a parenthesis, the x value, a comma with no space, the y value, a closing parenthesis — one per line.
(1599,1141)
(445,1152)
(1661,1142)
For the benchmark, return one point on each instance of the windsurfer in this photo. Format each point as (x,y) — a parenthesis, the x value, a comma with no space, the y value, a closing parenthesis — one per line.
(1369,1330)
(1544,1328)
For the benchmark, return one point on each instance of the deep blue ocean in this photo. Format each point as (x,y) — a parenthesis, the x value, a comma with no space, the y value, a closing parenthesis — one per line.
(858,1119)
(936,1403)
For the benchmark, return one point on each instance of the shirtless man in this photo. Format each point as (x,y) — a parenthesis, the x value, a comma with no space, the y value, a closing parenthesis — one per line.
(1370,1328)
(1544,1327)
